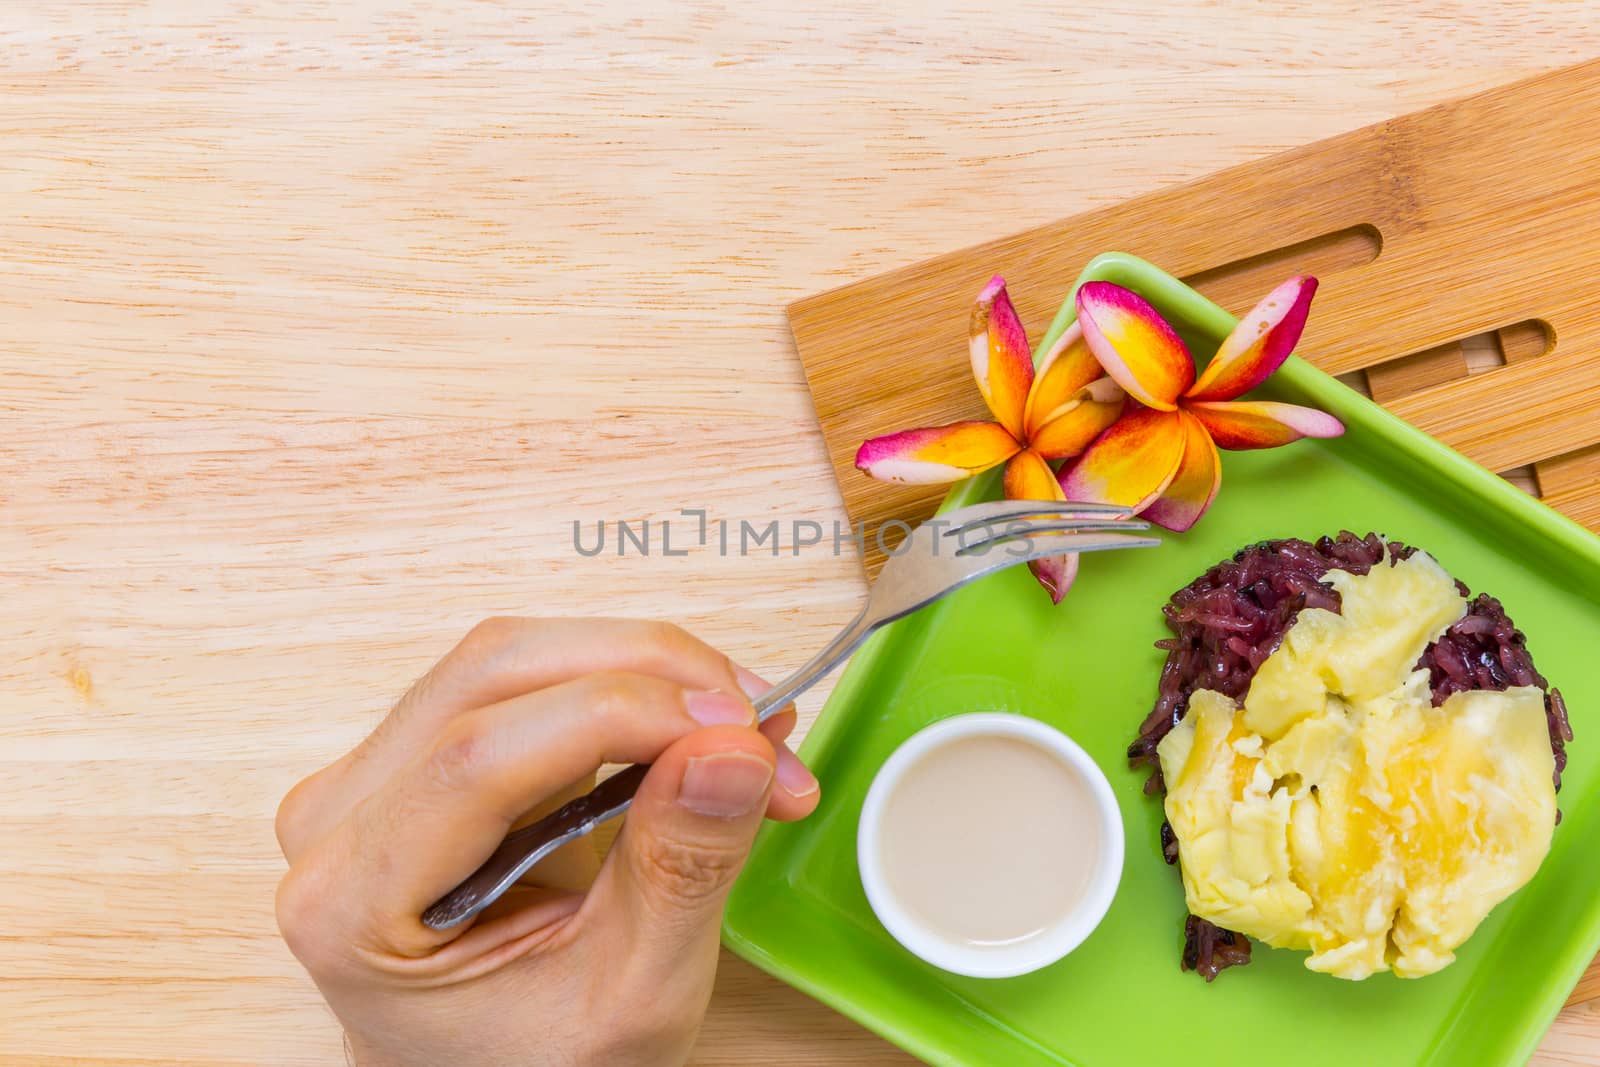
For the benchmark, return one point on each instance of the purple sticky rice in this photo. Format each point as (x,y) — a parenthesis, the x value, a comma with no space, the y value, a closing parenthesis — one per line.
(1229,620)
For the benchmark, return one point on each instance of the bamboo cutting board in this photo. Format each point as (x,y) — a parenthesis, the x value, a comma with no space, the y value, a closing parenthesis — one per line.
(1455,247)
(1456,252)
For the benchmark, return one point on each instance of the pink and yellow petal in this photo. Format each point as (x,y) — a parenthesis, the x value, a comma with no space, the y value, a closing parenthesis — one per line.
(1247,424)
(1259,344)
(1136,346)
(936,454)
(1078,422)
(1029,477)
(1194,486)
(1063,372)
(1131,463)
(1056,574)
(1001,360)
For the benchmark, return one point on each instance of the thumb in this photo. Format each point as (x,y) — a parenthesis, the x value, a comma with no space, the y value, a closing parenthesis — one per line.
(686,838)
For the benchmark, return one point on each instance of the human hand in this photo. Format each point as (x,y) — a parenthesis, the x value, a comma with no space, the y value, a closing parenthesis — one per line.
(508,725)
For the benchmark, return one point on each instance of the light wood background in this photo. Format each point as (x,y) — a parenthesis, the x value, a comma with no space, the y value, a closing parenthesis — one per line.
(321,324)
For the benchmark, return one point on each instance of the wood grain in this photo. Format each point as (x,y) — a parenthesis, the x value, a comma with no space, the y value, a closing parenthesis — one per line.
(323,325)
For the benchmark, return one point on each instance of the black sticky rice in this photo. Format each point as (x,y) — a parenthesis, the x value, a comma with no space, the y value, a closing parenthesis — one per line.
(1229,620)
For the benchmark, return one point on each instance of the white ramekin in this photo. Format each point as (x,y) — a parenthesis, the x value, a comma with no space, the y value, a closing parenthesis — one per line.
(992,961)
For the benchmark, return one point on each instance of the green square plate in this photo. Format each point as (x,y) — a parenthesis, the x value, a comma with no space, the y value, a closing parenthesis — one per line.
(1090,669)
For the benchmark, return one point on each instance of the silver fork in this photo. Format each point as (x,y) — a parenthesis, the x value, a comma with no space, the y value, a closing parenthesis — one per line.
(938,557)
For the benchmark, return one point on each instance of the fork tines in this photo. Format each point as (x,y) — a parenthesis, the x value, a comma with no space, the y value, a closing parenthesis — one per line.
(996,511)
(983,526)
(1068,543)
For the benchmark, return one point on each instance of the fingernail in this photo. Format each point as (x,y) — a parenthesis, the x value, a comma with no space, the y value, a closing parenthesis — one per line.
(753,684)
(711,707)
(793,776)
(725,785)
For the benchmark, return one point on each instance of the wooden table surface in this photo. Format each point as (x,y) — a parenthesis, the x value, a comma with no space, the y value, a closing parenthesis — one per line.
(323,324)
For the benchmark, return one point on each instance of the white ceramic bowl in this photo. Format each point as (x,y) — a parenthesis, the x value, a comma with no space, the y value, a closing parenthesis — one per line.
(992,961)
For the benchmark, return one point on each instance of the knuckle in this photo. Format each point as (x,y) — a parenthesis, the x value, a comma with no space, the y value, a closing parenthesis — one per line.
(290,820)
(664,644)
(490,638)
(299,907)
(615,700)
(463,755)
(686,871)
(666,649)
(667,635)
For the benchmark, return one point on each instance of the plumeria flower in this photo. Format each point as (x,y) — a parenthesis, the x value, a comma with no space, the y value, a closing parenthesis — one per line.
(1043,414)
(1160,458)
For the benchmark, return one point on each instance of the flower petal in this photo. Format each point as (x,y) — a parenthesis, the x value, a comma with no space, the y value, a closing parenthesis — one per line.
(1001,360)
(1079,421)
(1062,372)
(1029,477)
(1259,344)
(1246,424)
(1131,463)
(1136,346)
(1055,573)
(1196,483)
(936,454)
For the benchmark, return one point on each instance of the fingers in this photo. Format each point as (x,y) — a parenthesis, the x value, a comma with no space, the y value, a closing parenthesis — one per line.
(499,659)
(778,728)
(397,823)
(433,822)
(662,888)
(797,793)
(503,657)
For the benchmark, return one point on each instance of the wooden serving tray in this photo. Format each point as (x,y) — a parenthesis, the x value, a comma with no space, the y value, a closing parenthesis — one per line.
(1457,249)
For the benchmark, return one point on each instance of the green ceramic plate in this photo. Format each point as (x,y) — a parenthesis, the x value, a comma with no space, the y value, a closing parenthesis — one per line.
(1089,668)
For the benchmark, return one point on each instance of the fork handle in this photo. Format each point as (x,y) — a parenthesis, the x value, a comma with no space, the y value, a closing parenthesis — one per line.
(525,847)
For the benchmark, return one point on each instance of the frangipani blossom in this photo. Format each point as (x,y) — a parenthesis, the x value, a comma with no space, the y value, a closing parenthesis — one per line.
(1044,413)
(1161,457)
